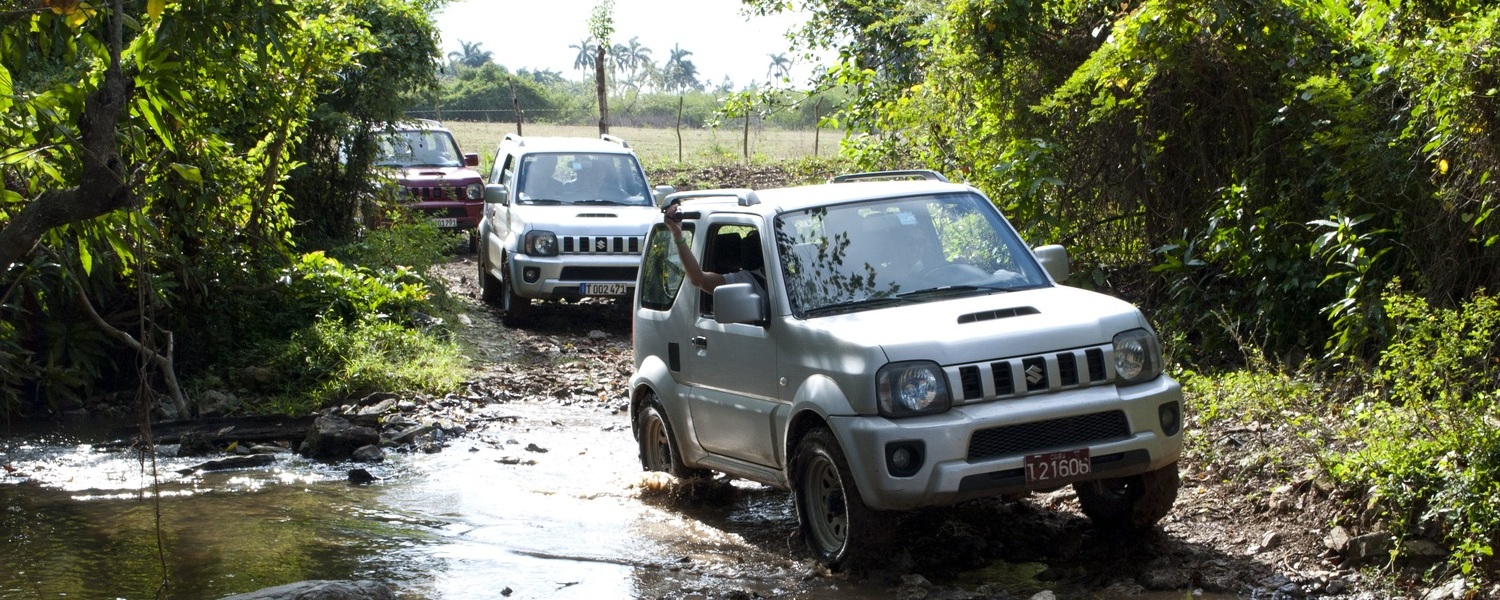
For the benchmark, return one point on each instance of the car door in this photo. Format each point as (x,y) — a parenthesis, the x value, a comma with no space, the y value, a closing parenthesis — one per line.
(730,369)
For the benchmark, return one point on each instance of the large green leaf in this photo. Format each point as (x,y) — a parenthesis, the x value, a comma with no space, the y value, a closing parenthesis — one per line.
(6,89)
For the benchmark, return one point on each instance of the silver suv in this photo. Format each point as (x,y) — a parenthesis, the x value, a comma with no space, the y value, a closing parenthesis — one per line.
(564,218)
(909,351)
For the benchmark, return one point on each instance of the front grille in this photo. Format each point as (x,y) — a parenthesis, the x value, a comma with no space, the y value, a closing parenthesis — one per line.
(1027,375)
(599,274)
(601,244)
(436,193)
(1029,438)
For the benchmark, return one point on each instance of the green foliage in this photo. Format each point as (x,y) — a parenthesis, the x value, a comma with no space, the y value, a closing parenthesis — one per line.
(1427,446)
(333,360)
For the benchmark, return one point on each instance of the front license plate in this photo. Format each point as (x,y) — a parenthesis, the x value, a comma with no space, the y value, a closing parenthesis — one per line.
(1057,465)
(446,221)
(603,289)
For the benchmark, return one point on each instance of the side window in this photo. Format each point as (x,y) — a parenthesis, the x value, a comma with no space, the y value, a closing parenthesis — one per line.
(507,173)
(661,270)
(731,249)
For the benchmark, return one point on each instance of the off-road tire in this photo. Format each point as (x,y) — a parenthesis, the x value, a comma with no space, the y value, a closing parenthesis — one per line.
(831,514)
(514,309)
(1132,503)
(489,287)
(658,444)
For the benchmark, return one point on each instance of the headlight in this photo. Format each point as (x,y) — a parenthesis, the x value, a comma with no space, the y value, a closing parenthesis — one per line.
(912,388)
(540,243)
(1137,357)
(474,191)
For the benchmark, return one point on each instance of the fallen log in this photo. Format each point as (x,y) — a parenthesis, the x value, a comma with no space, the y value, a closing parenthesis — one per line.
(218,431)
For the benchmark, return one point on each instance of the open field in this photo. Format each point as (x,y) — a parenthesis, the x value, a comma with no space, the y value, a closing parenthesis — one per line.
(659,146)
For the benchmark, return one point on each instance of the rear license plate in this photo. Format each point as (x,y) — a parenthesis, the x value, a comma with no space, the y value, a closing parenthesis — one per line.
(446,221)
(603,289)
(1057,465)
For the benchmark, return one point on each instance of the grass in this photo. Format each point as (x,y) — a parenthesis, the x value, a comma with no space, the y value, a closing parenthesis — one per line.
(659,146)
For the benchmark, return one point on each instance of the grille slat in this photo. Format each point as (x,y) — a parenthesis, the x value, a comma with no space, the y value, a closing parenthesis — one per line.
(1021,376)
(588,244)
(1029,438)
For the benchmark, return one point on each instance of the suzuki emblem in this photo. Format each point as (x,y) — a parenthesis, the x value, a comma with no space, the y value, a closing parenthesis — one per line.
(601,245)
(1034,374)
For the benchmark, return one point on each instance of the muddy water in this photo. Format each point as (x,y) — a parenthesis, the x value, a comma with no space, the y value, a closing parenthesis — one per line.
(525,508)
(545,501)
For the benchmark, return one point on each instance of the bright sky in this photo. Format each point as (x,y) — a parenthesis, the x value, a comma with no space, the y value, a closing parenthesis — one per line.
(535,34)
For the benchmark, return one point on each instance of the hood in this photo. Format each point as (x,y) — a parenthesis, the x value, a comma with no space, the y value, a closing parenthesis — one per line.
(987,327)
(435,176)
(592,219)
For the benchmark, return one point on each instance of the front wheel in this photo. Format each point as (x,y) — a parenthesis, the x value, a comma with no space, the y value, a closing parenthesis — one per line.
(515,308)
(831,514)
(658,446)
(1132,503)
(489,287)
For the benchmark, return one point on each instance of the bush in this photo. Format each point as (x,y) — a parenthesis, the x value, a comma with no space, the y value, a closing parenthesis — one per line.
(1427,440)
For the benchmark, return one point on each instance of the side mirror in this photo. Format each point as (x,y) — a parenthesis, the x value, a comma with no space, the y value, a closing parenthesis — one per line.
(471,160)
(738,303)
(661,193)
(1054,259)
(495,193)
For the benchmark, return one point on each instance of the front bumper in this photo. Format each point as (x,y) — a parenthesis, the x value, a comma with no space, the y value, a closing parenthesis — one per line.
(452,214)
(1119,426)
(564,276)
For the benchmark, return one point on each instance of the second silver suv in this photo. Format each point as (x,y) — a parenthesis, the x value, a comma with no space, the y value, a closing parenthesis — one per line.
(900,348)
(564,218)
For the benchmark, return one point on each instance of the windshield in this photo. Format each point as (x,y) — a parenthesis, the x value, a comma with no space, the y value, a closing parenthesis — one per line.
(914,249)
(416,149)
(582,179)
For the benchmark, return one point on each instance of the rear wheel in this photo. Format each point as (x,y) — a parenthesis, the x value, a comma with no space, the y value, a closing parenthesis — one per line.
(658,446)
(1132,503)
(831,514)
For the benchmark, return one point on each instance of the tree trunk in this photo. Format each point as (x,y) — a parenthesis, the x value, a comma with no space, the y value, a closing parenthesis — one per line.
(104,186)
(602,90)
(679,128)
(746,139)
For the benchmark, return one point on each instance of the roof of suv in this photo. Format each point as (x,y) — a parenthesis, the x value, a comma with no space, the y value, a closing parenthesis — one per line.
(566,144)
(775,200)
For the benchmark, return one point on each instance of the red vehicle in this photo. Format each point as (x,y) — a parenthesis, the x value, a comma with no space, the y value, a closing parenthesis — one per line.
(425,160)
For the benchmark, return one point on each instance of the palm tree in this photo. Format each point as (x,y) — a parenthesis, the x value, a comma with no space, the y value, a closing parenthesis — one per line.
(471,56)
(680,73)
(587,49)
(780,69)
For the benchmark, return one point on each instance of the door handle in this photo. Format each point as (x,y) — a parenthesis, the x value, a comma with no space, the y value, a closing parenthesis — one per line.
(700,341)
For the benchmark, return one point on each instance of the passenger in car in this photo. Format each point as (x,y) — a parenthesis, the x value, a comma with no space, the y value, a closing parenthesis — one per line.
(751,261)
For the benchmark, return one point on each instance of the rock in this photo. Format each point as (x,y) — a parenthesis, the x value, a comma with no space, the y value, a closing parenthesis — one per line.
(1270,540)
(1423,549)
(335,438)
(1370,546)
(1337,539)
(322,590)
(410,435)
(1166,580)
(217,404)
(1044,595)
(598,336)
(369,454)
(361,477)
(194,443)
(1453,590)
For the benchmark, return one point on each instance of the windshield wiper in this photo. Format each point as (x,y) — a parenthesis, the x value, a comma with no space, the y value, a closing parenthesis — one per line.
(852,305)
(612,202)
(542,201)
(950,290)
